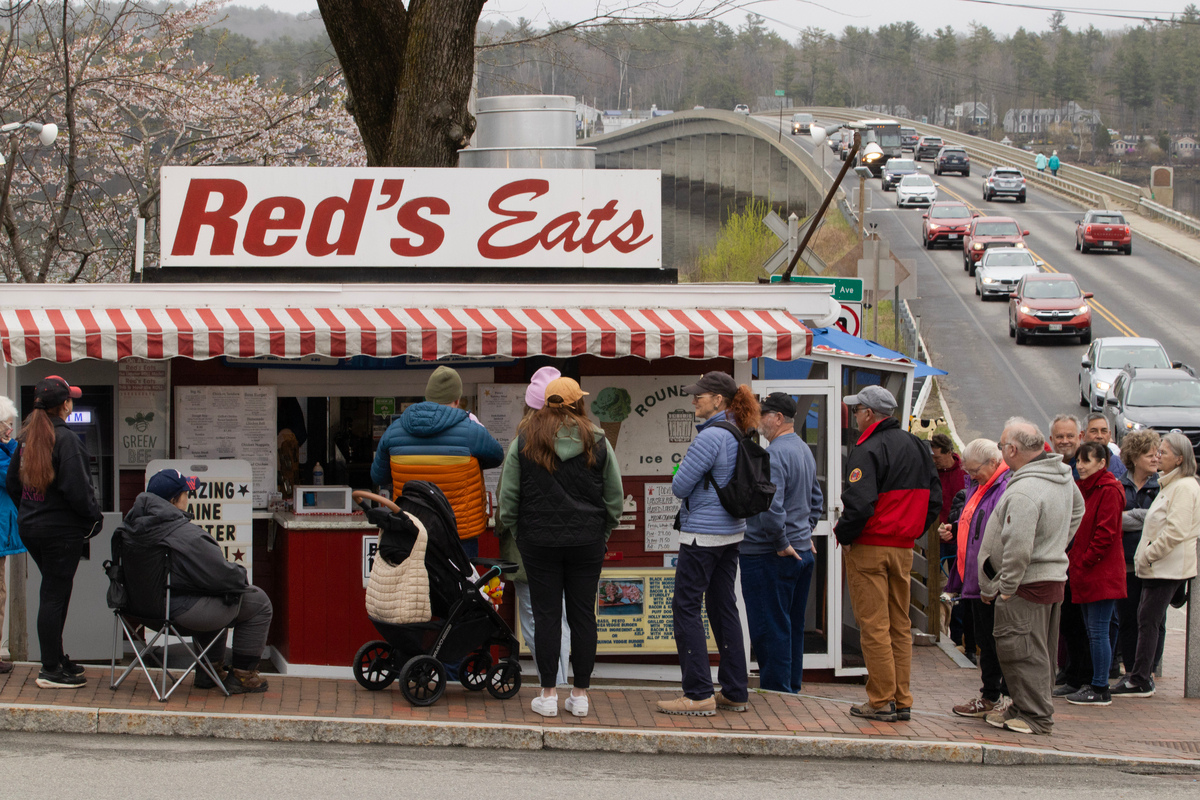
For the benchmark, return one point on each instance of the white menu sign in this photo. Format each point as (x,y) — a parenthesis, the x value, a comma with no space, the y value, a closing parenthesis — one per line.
(501,406)
(659,518)
(226,422)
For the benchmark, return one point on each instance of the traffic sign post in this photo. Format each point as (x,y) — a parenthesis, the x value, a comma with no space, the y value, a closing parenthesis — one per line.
(845,290)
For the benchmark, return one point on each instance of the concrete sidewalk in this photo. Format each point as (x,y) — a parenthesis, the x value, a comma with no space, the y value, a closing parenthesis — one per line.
(1163,730)
(1169,238)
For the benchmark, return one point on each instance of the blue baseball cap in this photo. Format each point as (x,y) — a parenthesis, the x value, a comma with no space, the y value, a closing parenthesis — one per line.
(170,483)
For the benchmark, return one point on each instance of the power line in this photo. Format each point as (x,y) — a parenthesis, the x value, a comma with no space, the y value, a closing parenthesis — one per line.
(1131,14)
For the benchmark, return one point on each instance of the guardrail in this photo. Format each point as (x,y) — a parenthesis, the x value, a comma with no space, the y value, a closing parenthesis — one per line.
(1169,215)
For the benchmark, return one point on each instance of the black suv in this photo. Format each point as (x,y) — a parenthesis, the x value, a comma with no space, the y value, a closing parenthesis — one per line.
(908,137)
(928,147)
(952,159)
(1164,400)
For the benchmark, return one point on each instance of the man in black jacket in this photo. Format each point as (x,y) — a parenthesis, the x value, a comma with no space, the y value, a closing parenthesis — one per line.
(208,593)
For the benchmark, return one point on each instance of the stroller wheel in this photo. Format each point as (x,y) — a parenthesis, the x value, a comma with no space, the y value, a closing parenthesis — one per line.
(474,670)
(372,666)
(422,680)
(504,680)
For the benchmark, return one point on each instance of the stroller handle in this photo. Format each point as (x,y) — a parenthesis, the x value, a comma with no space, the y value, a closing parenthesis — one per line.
(361,497)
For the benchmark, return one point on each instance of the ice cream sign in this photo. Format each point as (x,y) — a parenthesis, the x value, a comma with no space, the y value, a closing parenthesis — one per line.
(648,420)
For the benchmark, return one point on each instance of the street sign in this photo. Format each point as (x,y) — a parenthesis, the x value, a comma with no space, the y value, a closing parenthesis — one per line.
(845,290)
(779,92)
(784,254)
(850,319)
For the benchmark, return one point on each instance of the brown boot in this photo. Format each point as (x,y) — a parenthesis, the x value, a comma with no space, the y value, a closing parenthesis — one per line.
(245,681)
(203,681)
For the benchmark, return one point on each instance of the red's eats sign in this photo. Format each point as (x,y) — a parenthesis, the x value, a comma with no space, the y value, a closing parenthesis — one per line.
(308,216)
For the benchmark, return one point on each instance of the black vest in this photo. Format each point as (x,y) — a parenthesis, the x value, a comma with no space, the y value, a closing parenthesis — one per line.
(566,507)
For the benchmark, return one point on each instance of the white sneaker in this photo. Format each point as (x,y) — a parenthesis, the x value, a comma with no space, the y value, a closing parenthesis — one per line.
(546,706)
(577,705)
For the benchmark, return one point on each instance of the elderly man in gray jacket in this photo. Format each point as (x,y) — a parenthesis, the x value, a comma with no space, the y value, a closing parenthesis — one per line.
(1023,570)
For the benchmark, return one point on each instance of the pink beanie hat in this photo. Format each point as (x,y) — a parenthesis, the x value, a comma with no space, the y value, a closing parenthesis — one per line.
(535,395)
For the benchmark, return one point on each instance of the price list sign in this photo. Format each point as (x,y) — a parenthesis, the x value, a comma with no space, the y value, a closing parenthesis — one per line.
(659,518)
(633,612)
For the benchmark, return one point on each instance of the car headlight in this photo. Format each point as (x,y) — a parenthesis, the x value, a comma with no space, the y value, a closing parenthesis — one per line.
(1130,425)
(933,227)
(1083,309)
(1025,310)
(989,280)
(977,246)
(1102,386)
(1019,244)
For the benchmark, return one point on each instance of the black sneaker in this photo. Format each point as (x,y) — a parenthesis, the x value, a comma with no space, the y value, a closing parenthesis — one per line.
(1090,696)
(1064,690)
(59,679)
(1060,678)
(70,667)
(903,713)
(1126,687)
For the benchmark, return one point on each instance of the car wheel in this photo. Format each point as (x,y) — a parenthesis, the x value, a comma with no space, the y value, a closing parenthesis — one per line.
(928,243)
(1083,401)
(1021,198)
(1083,248)
(977,292)
(1012,330)
(967,174)
(971,269)
(1086,337)
(1076,242)
(1022,337)
(1129,250)
(966,262)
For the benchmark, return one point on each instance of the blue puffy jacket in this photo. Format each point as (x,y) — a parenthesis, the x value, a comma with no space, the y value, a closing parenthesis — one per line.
(713,449)
(10,541)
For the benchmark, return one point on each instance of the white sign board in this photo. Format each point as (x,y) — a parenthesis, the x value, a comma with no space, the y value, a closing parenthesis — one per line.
(501,406)
(396,217)
(370,546)
(659,518)
(221,503)
(647,419)
(143,406)
(222,422)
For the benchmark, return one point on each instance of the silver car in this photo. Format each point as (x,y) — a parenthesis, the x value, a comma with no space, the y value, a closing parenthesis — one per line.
(1105,359)
(1001,268)
(915,190)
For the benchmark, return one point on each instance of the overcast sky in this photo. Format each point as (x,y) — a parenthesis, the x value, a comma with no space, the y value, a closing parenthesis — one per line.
(788,17)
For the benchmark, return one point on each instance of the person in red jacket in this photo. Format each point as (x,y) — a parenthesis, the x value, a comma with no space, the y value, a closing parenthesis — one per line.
(1097,565)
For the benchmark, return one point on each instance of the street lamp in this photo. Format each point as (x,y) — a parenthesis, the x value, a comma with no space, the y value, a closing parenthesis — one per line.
(46,133)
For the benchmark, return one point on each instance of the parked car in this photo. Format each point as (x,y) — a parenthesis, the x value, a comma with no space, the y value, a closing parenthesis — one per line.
(1004,182)
(908,137)
(1105,359)
(1164,400)
(952,159)
(927,147)
(1049,304)
(985,232)
(1103,230)
(945,223)
(916,190)
(895,169)
(801,123)
(741,108)
(1001,269)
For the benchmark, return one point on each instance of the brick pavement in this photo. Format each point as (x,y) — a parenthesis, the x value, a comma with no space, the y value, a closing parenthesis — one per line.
(1164,726)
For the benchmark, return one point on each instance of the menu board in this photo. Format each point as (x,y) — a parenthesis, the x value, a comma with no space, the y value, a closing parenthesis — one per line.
(220,503)
(223,422)
(648,419)
(501,406)
(659,518)
(633,612)
(142,404)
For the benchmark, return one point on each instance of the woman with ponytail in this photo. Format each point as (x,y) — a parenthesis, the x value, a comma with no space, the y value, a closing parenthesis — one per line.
(708,551)
(49,482)
(560,499)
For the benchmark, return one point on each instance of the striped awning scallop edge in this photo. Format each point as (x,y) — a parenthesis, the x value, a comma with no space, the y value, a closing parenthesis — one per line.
(66,334)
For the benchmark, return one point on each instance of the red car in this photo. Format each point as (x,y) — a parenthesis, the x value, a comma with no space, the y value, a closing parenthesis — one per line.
(945,223)
(1103,230)
(1049,304)
(985,232)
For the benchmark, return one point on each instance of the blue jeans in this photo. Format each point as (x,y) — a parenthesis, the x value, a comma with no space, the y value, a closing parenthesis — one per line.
(708,574)
(775,589)
(1097,617)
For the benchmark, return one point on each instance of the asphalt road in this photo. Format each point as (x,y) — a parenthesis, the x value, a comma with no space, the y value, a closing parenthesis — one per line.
(123,767)
(1147,294)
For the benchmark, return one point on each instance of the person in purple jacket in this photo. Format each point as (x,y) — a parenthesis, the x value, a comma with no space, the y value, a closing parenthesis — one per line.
(989,476)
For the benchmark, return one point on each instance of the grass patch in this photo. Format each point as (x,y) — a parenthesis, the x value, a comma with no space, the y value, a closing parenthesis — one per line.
(743,245)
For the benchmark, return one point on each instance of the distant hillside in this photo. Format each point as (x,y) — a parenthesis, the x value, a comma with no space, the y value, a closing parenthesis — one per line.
(263,24)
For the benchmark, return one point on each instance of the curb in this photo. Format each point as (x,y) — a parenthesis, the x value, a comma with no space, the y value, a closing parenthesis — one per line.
(131,722)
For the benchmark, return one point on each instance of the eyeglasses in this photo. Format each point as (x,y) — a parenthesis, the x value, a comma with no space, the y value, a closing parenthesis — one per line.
(705,394)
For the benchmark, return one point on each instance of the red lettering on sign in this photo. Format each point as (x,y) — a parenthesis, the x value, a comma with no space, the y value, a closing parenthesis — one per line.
(411,220)
(532,186)
(635,225)
(354,211)
(261,223)
(220,219)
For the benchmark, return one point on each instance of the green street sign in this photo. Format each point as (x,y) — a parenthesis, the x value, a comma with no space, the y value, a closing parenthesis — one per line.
(779,93)
(845,290)
(385,406)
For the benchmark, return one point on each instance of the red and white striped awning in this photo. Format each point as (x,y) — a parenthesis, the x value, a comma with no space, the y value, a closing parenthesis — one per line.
(110,334)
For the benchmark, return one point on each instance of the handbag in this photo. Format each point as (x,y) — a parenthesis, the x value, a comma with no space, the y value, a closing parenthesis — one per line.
(117,596)
(399,593)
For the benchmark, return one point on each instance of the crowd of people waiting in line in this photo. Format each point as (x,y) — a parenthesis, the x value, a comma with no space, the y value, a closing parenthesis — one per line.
(1077,537)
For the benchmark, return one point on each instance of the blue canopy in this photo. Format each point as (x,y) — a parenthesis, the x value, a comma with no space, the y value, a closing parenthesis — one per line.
(840,340)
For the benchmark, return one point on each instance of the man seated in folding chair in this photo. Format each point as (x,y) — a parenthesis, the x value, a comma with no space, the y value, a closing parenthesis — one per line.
(208,593)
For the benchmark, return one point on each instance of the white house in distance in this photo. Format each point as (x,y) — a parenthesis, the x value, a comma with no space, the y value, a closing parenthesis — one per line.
(1184,147)
(1038,120)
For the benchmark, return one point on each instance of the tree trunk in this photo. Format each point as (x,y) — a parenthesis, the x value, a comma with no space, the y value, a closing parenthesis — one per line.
(409,73)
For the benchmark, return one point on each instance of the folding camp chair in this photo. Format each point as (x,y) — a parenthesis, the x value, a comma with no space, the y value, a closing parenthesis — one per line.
(147,579)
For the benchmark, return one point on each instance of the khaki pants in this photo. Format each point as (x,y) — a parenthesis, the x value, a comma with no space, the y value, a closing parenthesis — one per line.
(1024,633)
(878,580)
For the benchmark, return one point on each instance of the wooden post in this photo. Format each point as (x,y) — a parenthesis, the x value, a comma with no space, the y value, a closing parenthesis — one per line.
(18,632)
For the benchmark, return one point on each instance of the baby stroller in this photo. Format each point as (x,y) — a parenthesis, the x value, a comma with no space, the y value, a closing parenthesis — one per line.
(464,625)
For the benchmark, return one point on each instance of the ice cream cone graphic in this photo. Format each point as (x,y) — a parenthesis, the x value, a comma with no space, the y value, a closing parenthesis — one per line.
(612,431)
(611,407)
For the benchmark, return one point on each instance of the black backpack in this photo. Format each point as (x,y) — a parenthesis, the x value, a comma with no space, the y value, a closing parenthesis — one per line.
(749,490)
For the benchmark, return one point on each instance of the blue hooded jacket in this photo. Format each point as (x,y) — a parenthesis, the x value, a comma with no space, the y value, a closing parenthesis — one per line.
(713,449)
(10,540)
(432,429)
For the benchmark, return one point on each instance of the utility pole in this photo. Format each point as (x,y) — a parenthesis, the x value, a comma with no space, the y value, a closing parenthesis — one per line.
(875,293)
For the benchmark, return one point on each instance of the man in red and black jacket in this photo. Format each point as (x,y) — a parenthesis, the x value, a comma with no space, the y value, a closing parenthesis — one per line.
(891,496)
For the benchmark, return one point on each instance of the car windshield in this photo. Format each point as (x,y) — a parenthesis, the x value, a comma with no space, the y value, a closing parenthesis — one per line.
(1108,219)
(1177,393)
(920,181)
(902,165)
(1118,356)
(1006,173)
(1051,290)
(997,229)
(949,212)
(1021,259)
